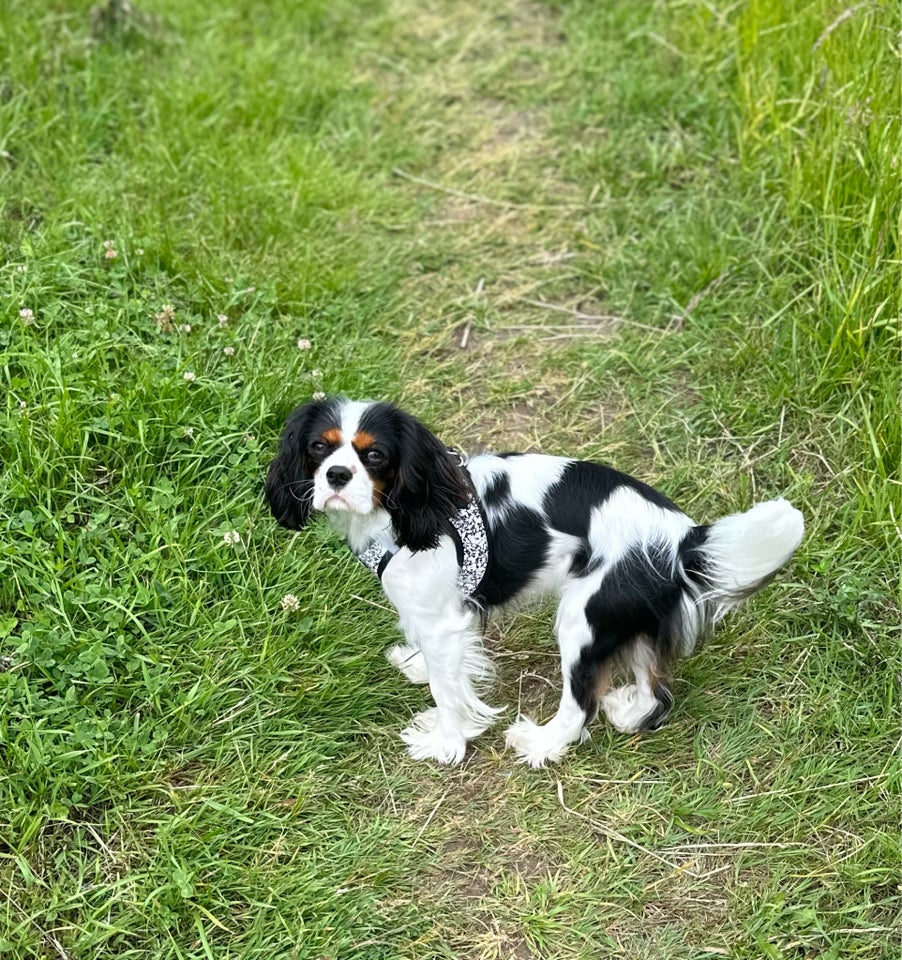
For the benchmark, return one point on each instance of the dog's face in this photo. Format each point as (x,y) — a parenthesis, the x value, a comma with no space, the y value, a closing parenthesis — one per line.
(345,456)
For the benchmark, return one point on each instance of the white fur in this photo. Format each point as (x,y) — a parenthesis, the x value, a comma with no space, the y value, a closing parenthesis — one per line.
(626,519)
(745,548)
(437,623)
(627,707)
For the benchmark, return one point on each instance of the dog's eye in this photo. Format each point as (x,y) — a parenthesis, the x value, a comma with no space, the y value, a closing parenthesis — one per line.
(374,458)
(318,447)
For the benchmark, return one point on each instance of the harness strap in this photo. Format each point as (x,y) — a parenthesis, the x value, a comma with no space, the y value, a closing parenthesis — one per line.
(470,539)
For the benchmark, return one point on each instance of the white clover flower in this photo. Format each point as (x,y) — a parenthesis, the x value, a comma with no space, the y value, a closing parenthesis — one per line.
(248,438)
(185,328)
(316,374)
(222,319)
(231,538)
(189,432)
(110,253)
(22,405)
(229,351)
(27,315)
(319,395)
(290,603)
(189,375)
(304,344)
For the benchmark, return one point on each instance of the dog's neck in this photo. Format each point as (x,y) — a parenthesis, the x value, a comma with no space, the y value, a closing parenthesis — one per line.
(360,530)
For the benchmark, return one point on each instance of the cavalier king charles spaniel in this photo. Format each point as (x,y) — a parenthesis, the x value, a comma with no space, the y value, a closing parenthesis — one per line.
(638,583)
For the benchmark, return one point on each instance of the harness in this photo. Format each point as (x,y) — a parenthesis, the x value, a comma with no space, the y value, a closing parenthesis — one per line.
(469,536)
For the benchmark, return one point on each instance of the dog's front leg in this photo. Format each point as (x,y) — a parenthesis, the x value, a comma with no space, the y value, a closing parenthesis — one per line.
(437,622)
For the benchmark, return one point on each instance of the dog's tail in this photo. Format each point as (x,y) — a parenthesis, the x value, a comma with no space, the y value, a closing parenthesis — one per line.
(726,562)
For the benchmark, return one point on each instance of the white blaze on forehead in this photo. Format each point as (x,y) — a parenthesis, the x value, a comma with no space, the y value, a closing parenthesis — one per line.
(351,413)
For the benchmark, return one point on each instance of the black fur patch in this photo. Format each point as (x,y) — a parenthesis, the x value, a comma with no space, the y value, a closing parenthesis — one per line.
(585,485)
(498,492)
(518,548)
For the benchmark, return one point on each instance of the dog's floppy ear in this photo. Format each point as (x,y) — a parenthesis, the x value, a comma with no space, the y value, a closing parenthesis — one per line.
(289,482)
(428,490)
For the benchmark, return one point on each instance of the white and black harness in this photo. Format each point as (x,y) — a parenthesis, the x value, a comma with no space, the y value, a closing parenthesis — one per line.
(468,530)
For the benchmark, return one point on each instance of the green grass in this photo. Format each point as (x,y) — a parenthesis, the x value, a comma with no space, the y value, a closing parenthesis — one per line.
(667,234)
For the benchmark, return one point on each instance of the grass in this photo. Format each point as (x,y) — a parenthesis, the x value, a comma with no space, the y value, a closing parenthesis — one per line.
(660,234)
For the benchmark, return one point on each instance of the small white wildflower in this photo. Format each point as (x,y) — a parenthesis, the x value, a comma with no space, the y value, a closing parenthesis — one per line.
(27,315)
(290,603)
(114,397)
(229,351)
(110,253)
(22,268)
(74,354)
(108,244)
(189,432)
(185,328)
(316,374)
(231,538)
(222,319)
(189,375)
(22,404)
(304,344)
(319,395)
(248,438)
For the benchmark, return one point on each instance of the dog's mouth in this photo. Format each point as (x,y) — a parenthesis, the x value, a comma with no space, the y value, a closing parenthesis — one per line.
(339,503)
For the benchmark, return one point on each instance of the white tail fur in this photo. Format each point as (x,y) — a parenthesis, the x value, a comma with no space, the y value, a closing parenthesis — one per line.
(744,550)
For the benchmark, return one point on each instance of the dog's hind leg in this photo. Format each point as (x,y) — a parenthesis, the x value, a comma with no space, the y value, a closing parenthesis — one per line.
(645,704)
(540,744)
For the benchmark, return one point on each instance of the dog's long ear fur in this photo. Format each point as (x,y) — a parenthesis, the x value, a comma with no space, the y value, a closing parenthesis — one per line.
(428,490)
(289,483)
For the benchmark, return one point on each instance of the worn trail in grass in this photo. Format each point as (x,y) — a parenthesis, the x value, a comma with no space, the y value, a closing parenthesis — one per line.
(660,235)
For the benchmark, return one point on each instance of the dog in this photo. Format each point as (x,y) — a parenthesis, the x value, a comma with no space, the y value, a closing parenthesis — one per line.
(638,583)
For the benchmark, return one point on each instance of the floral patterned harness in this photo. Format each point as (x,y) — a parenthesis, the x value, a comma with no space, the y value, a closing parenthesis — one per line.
(469,536)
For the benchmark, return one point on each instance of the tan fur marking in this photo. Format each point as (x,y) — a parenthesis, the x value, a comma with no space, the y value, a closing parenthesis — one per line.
(363,440)
(379,492)
(603,680)
(333,436)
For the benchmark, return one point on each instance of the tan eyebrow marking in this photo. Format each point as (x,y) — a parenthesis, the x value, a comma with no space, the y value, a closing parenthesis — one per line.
(363,440)
(333,436)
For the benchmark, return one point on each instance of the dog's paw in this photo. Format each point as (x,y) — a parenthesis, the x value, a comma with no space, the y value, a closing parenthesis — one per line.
(628,707)
(409,661)
(538,745)
(426,739)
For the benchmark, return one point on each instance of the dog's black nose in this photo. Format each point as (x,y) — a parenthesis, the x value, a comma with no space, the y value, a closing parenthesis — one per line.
(338,476)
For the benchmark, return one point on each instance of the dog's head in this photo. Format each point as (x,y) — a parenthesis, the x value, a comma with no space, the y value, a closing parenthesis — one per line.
(339,455)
